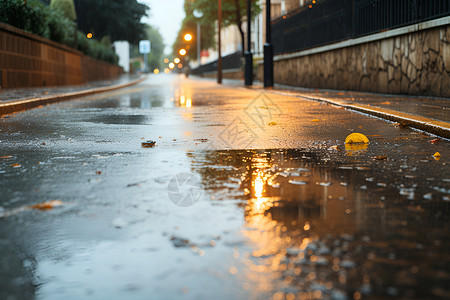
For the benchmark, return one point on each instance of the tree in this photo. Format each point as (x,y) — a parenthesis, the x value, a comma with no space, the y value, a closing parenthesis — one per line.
(156,55)
(119,19)
(66,6)
(234,12)
(189,25)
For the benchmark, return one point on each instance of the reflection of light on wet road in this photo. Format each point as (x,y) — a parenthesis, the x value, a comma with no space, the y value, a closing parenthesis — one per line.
(259,186)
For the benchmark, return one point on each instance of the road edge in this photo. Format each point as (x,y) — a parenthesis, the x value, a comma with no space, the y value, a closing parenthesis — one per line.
(438,128)
(26,104)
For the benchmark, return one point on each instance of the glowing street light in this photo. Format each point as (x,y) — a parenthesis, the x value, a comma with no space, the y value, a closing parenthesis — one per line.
(156,71)
(188,37)
(166,60)
(89,35)
(176,60)
(171,65)
(182,52)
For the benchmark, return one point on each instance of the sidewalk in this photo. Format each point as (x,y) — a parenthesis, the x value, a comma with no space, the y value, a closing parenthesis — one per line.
(13,100)
(430,114)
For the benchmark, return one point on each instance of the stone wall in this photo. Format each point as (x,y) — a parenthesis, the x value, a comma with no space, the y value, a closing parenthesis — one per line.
(413,60)
(27,60)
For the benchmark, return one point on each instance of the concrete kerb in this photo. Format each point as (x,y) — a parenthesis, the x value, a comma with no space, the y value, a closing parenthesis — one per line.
(20,105)
(435,127)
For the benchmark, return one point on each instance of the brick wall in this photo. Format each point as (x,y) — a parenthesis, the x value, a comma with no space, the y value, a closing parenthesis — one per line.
(27,60)
(415,62)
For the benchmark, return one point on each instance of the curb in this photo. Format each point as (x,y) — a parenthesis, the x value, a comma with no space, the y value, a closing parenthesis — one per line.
(26,104)
(439,128)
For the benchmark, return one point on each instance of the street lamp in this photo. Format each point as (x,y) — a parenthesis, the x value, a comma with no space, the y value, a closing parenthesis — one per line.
(176,60)
(268,51)
(188,37)
(198,15)
(219,59)
(182,52)
(248,54)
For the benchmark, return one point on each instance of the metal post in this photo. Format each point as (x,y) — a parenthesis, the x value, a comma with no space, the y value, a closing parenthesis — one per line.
(199,45)
(145,63)
(219,60)
(248,54)
(268,51)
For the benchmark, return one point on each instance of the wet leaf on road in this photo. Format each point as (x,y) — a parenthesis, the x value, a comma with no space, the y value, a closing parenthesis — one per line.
(402,124)
(380,157)
(435,141)
(356,138)
(148,144)
(6,156)
(47,205)
(272,123)
(16,165)
(201,140)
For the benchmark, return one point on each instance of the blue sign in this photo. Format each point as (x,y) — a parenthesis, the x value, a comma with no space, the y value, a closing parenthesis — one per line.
(144,47)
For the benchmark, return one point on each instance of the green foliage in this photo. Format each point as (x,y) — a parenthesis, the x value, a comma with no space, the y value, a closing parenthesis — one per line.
(156,55)
(66,6)
(51,23)
(189,25)
(119,19)
(234,12)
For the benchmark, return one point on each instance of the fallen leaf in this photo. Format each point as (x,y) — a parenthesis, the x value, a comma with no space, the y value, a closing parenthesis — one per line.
(43,144)
(335,148)
(380,157)
(437,154)
(16,165)
(356,138)
(98,172)
(201,140)
(387,102)
(7,156)
(272,123)
(402,124)
(148,144)
(47,205)
(435,141)
(315,120)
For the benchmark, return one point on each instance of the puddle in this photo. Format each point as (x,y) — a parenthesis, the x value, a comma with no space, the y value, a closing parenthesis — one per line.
(333,229)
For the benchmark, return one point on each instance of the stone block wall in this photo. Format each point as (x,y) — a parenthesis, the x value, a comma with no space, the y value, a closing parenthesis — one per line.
(414,63)
(27,60)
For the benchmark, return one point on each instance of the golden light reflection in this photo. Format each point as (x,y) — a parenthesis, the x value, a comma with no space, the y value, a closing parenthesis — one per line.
(176,60)
(259,186)
(171,65)
(188,102)
(166,70)
(166,60)
(156,71)
(188,37)
(182,52)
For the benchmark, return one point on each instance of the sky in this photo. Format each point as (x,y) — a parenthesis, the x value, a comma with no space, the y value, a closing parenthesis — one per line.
(166,15)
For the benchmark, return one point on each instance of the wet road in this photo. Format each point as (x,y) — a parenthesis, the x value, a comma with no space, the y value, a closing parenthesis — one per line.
(243,195)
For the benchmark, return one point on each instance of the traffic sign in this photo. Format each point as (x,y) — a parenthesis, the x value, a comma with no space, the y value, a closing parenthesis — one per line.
(144,47)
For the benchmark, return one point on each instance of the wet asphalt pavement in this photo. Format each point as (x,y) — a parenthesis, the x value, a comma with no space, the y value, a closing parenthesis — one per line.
(243,195)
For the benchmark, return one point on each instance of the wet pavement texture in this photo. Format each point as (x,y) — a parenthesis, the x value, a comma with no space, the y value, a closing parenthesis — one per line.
(243,195)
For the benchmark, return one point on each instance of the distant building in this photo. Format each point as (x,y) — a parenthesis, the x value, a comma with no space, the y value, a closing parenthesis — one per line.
(122,49)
